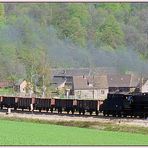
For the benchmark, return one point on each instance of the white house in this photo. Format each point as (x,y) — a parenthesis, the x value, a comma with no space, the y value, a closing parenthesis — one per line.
(144,86)
(90,87)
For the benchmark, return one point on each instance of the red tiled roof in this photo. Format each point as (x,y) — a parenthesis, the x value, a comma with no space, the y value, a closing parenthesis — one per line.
(4,84)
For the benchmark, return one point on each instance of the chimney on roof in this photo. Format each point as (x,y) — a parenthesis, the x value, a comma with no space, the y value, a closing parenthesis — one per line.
(63,72)
(87,82)
(84,77)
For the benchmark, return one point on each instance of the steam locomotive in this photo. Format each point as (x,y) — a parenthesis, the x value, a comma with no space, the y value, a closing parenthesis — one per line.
(116,105)
(123,105)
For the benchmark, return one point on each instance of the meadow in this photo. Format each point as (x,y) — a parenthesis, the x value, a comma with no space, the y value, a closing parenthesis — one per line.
(26,133)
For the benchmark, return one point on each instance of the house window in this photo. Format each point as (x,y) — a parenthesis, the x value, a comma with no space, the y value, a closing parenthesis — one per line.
(102,92)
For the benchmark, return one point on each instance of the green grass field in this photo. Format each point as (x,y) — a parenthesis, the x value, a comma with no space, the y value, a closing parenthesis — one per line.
(25,133)
(6,91)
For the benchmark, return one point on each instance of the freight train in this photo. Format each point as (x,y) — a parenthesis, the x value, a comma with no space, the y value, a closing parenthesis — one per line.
(47,104)
(116,105)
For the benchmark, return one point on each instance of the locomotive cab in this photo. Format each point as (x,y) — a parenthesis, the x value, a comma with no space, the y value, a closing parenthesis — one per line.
(116,105)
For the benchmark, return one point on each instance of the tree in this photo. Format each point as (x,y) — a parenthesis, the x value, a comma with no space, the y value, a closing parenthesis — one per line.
(110,32)
(75,31)
(79,11)
(2,15)
(43,70)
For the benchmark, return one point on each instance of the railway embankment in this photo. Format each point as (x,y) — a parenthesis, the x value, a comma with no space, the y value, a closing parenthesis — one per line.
(131,125)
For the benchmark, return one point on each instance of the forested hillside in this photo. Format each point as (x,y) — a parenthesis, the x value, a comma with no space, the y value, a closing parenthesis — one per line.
(36,37)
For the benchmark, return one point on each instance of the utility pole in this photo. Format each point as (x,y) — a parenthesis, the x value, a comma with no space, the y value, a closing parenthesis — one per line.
(35,83)
(93,87)
(43,93)
(141,82)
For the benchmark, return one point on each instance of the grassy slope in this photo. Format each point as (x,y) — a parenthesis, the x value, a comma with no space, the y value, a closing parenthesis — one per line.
(23,133)
(5,91)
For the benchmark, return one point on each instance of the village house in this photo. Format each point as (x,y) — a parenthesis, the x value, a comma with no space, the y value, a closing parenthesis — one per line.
(144,88)
(87,84)
(21,87)
(94,87)
(61,82)
(64,77)
(122,82)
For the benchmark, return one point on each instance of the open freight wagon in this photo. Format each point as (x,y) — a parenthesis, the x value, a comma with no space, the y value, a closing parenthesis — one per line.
(8,102)
(24,103)
(90,106)
(42,104)
(68,105)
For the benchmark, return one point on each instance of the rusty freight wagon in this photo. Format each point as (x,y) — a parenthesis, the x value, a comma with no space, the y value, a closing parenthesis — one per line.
(24,103)
(65,105)
(42,104)
(87,106)
(8,102)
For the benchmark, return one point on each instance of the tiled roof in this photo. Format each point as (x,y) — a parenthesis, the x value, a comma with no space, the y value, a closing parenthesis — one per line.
(4,84)
(119,80)
(58,80)
(96,82)
(83,71)
(135,80)
(99,81)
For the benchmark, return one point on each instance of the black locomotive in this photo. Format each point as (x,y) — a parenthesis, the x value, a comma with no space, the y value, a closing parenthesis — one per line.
(123,105)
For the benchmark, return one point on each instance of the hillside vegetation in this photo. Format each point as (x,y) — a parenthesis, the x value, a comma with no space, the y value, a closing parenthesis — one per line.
(38,36)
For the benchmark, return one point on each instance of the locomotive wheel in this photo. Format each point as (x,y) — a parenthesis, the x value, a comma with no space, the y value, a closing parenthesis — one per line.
(124,116)
(145,116)
(83,112)
(68,111)
(114,115)
(90,112)
(51,110)
(59,111)
(72,112)
(119,114)
(141,116)
(104,114)
(15,108)
(97,113)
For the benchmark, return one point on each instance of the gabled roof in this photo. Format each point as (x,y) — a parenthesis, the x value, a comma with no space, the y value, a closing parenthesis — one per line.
(119,80)
(89,82)
(80,82)
(98,81)
(4,84)
(58,80)
(19,82)
(135,80)
(83,71)
(70,72)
